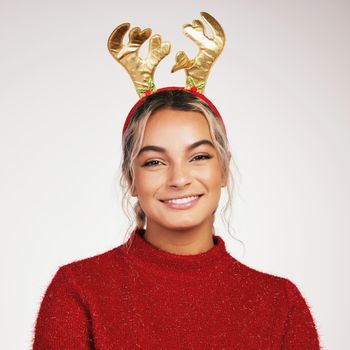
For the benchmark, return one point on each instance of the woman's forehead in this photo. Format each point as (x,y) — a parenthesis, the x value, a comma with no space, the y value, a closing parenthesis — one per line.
(168,123)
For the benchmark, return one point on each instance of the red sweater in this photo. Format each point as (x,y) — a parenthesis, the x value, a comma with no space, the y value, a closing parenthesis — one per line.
(147,298)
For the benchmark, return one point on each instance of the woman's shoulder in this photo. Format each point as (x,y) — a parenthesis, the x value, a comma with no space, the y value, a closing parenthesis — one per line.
(257,279)
(101,265)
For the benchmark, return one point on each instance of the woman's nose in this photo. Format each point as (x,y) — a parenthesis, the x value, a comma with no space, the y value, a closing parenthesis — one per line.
(179,175)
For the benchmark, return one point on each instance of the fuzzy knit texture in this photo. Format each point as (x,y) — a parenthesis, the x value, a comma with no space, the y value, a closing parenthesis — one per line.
(147,298)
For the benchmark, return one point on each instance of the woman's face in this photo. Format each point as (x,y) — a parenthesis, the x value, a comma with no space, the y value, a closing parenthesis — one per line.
(177,158)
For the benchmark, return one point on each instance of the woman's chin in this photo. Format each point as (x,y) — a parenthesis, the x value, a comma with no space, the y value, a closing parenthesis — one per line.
(183,224)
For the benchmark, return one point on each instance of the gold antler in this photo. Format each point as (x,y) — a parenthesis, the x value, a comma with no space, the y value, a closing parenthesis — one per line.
(140,70)
(197,69)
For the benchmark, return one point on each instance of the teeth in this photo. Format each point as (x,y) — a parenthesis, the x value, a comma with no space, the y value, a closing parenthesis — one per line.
(182,200)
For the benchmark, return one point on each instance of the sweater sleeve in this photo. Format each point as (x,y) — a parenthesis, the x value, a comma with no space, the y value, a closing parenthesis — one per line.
(63,320)
(300,328)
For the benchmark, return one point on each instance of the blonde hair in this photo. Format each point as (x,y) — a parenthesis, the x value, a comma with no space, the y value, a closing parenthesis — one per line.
(133,138)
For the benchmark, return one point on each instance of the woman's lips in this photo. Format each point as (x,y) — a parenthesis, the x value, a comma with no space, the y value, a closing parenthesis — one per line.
(182,206)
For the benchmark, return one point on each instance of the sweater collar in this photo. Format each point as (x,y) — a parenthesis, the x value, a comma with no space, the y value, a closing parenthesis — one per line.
(150,257)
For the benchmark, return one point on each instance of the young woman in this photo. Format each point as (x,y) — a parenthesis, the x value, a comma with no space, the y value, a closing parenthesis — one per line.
(173,284)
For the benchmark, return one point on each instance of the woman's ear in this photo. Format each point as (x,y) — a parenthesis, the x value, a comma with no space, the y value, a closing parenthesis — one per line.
(224,179)
(134,193)
(132,189)
(225,174)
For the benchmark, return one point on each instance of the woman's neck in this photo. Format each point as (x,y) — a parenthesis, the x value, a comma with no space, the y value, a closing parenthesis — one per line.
(180,241)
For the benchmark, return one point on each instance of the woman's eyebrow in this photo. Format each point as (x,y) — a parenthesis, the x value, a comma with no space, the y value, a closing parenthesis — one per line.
(163,150)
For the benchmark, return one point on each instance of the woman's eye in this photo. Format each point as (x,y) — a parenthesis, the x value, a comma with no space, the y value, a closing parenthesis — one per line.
(151,163)
(202,156)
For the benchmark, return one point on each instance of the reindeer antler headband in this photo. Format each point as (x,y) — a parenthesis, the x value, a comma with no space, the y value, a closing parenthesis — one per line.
(142,70)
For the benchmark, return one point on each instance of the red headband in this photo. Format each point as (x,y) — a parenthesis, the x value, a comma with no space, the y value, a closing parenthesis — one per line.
(193,91)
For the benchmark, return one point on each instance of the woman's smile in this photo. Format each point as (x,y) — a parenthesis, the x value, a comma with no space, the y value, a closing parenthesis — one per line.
(182,203)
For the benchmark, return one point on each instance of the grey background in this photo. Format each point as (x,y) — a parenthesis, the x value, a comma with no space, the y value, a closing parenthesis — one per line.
(281,86)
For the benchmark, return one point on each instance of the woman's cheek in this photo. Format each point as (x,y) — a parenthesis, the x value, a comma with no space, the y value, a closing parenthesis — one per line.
(209,175)
(153,179)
